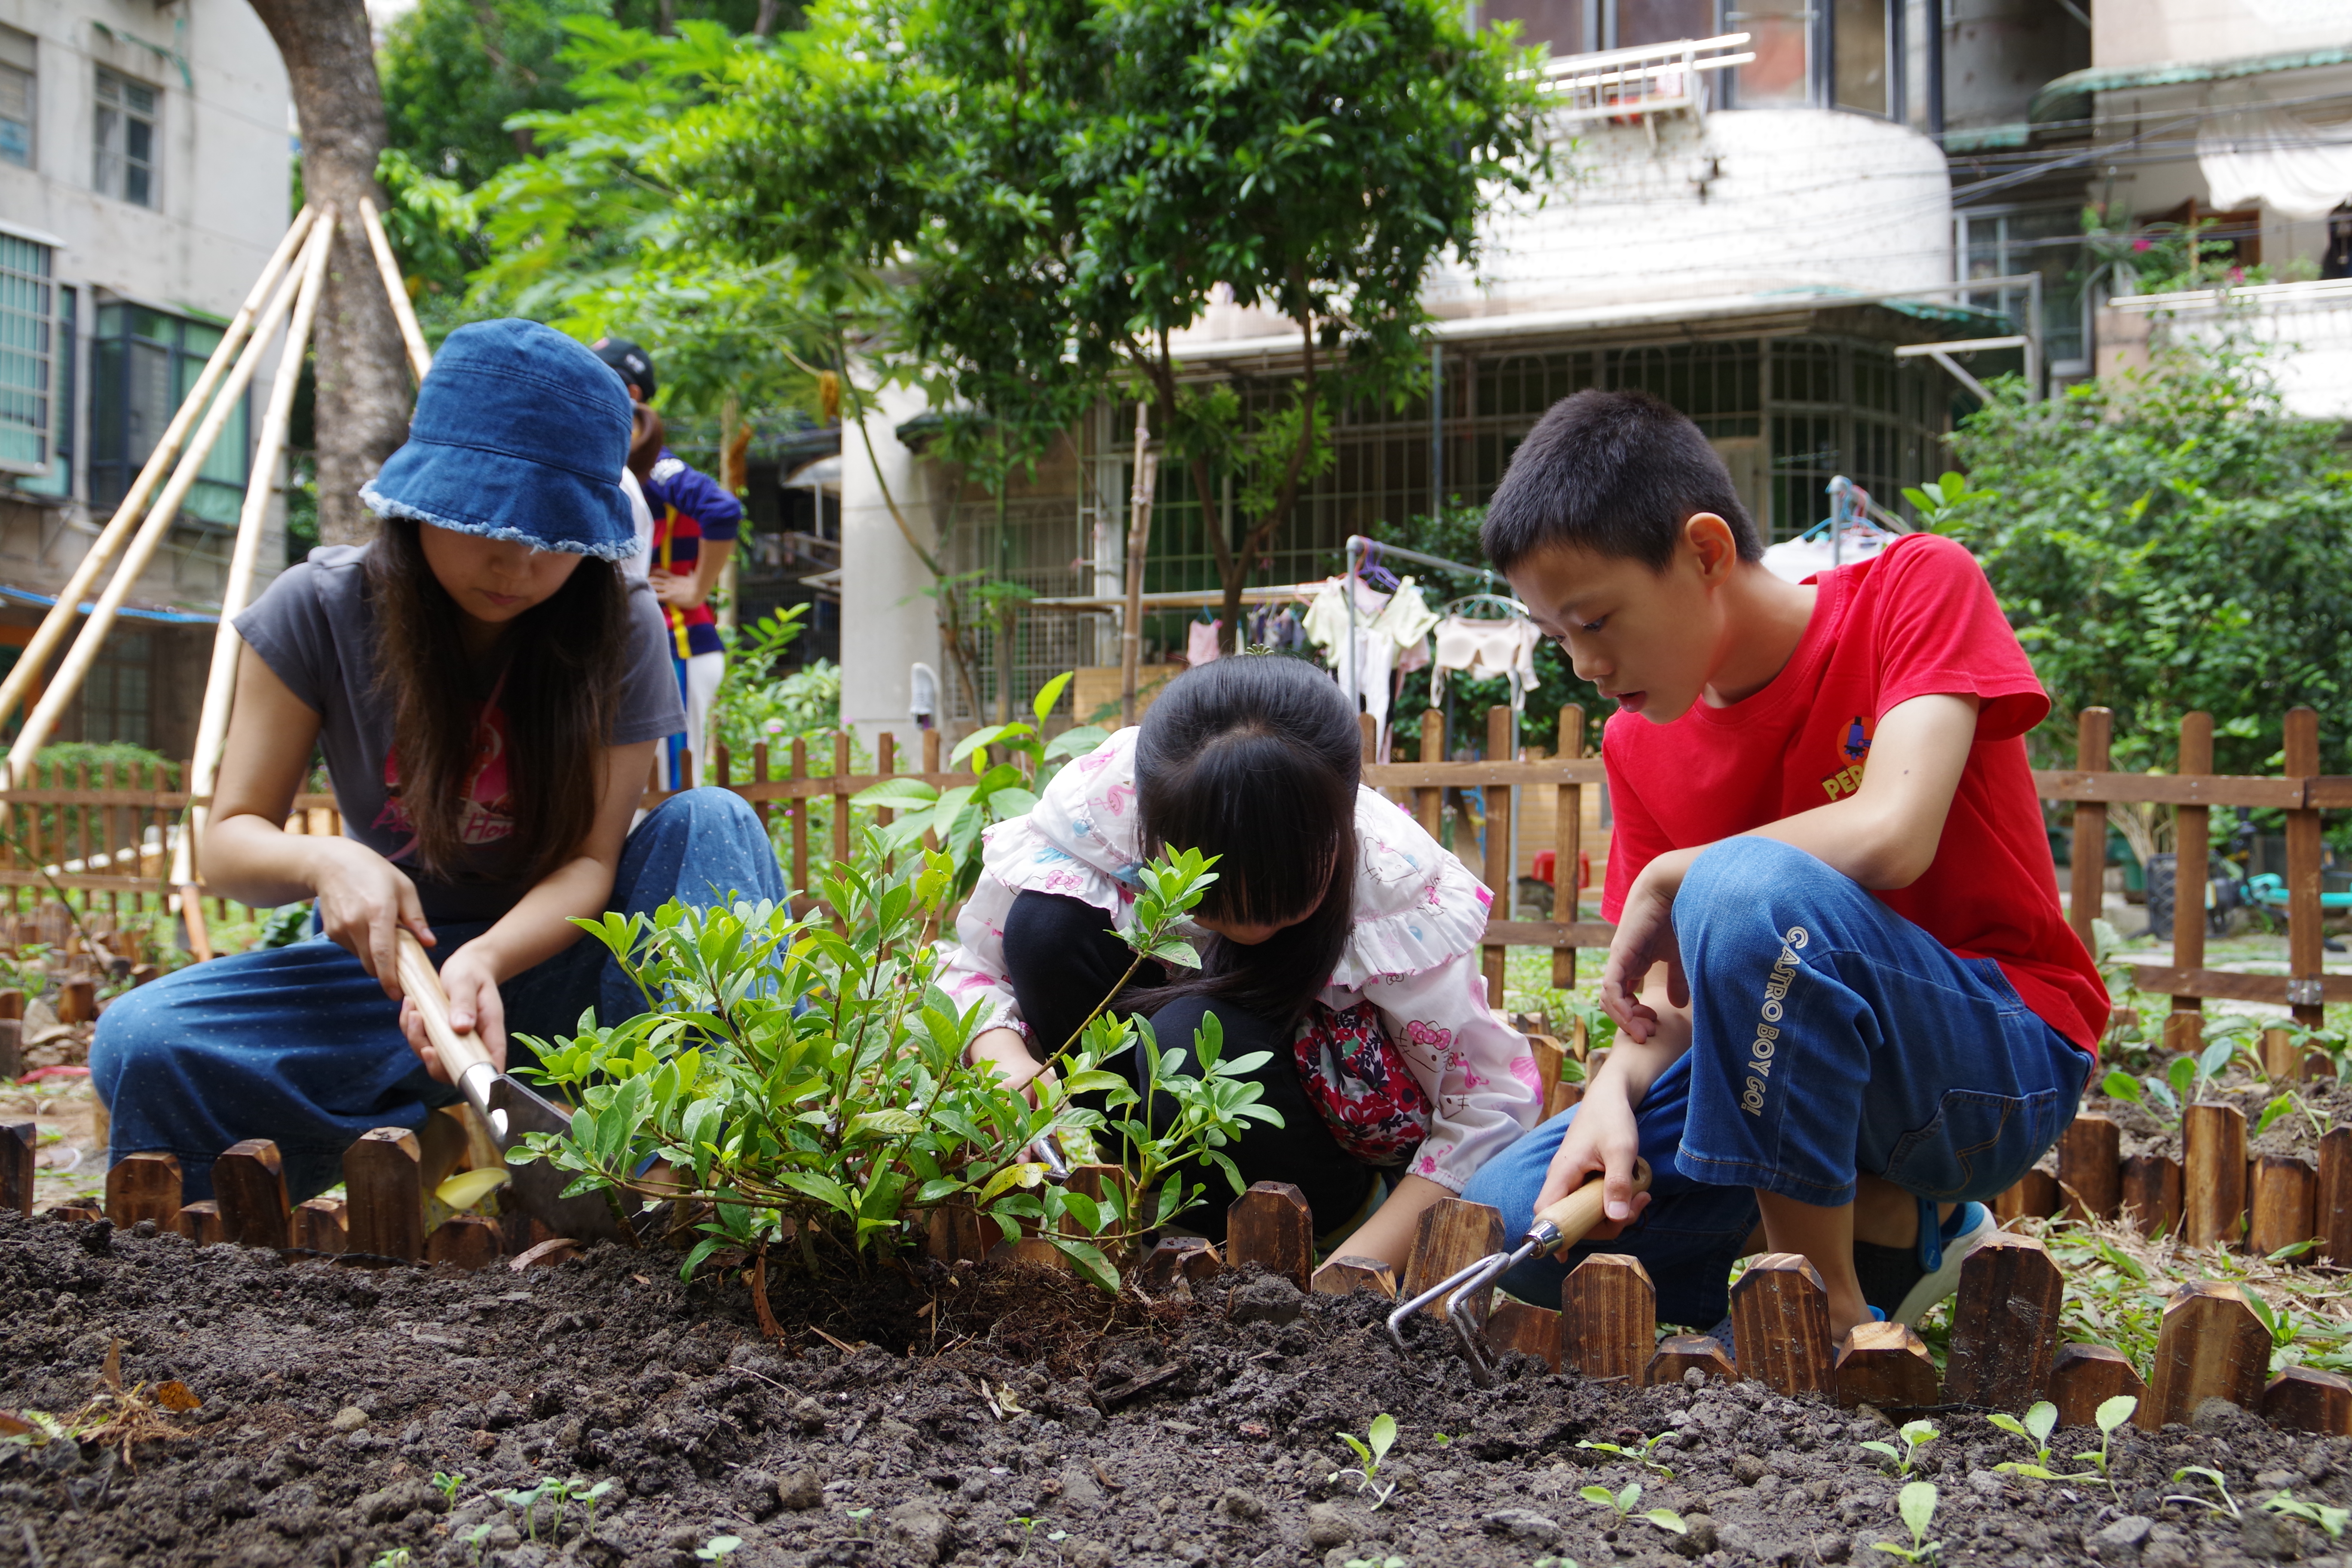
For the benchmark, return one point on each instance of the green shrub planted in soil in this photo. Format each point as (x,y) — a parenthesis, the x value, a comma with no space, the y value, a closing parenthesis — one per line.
(805,1081)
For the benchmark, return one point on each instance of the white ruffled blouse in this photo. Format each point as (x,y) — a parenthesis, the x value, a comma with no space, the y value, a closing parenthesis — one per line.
(1413,952)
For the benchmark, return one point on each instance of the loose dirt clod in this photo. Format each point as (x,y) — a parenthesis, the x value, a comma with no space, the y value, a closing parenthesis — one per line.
(486,1433)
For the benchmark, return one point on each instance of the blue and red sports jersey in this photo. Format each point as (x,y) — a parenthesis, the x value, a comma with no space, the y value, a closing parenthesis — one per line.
(689,507)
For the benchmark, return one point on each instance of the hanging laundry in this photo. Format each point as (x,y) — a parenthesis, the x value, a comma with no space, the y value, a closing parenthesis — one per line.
(1386,625)
(1201,643)
(1486,649)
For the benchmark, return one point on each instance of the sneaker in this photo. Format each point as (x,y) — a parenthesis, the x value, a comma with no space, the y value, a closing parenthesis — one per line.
(1942,1249)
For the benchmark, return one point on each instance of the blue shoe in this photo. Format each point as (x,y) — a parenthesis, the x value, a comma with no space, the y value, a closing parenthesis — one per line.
(1942,1249)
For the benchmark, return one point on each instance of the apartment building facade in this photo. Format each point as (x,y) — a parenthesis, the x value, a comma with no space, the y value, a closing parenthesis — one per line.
(146,173)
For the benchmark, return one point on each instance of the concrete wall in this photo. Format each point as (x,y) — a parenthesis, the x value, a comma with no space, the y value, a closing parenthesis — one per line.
(888,622)
(1999,53)
(1745,200)
(2143,32)
(222,196)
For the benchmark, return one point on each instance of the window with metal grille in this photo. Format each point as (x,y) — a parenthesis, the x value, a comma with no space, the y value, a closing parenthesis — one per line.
(125,139)
(143,363)
(16,83)
(28,300)
(115,698)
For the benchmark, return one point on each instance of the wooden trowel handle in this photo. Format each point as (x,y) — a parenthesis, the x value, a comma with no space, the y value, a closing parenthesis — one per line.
(1575,1216)
(462,1056)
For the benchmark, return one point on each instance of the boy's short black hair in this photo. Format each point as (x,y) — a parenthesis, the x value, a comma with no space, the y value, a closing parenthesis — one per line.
(1617,473)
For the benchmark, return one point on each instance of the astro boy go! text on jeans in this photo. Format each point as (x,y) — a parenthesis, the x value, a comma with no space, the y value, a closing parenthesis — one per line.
(1846,995)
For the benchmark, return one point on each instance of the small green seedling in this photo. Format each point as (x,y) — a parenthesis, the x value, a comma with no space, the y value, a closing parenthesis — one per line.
(2039,1423)
(1371,1449)
(1539,1562)
(447,1484)
(1622,1503)
(2283,1327)
(716,1547)
(390,1557)
(480,1536)
(524,1503)
(2111,1415)
(1915,1435)
(1385,1563)
(1916,1503)
(1640,1454)
(2227,1507)
(2331,1519)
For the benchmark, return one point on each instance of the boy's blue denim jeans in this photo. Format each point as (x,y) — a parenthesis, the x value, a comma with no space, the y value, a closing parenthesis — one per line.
(298,1045)
(1830,1036)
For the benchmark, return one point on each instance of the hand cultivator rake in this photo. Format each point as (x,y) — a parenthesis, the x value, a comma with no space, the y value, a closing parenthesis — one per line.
(1563,1225)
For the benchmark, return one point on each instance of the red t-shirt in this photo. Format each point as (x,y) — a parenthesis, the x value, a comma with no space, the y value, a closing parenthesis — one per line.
(1918,620)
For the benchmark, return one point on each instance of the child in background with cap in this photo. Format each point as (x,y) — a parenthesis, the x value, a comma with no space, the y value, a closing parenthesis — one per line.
(488,686)
(696,523)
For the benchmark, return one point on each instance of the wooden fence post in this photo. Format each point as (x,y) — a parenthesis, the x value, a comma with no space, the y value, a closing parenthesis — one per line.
(1429,804)
(2281,1213)
(1348,1273)
(2191,839)
(2088,857)
(1271,1226)
(2305,950)
(1780,1325)
(2305,1399)
(1451,1235)
(2333,1210)
(144,1186)
(1678,1355)
(249,1185)
(1516,1325)
(2213,1180)
(799,825)
(1567,845)
(1502,875)
(841,795)
(2090,1160)
(18,1142)
(383,1174)
(322,1224)
(2151,1193)
(2004,1325)
(2211,1346)
(1608,1319)
(1884,1364)
(2084,1377)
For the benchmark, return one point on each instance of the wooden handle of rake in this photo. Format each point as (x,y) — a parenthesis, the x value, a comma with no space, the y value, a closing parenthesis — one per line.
(1574,1215)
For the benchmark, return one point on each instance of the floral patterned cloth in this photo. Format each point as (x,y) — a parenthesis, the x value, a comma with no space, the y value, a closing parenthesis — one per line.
(1356,1078)
(1411,956)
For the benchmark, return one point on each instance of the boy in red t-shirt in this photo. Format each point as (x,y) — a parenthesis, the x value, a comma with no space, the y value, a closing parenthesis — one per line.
(1845,993)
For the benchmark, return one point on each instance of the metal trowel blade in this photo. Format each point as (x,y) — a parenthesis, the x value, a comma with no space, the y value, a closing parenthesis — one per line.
(537,1188)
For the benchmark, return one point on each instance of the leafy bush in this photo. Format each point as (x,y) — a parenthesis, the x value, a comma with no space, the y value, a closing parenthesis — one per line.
(2167,541)
(805,1082)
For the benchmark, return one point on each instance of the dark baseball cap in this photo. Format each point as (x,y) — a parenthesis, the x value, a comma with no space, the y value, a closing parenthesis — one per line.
(628,360)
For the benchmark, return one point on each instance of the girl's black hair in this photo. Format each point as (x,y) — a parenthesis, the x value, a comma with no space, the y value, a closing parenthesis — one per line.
(566,659)
(1256,759)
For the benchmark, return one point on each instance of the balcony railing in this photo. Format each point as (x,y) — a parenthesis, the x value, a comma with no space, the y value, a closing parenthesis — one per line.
(2323,291)
(1642,81)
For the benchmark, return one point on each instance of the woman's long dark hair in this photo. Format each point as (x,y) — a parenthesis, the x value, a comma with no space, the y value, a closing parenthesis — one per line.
(566,660)
(1256,759)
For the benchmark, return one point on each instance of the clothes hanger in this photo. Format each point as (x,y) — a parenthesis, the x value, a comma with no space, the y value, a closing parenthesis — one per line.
(1510,608)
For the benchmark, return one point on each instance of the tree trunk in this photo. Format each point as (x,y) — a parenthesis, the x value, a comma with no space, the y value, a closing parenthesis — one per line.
(361,367)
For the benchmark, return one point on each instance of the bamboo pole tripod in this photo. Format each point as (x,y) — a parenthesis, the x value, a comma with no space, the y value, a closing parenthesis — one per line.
(286,294)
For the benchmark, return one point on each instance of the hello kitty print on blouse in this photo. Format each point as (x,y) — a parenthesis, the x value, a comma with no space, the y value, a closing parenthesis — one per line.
(1412,957)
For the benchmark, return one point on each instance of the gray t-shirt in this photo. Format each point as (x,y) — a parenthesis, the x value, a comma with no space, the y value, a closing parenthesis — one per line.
(316,629)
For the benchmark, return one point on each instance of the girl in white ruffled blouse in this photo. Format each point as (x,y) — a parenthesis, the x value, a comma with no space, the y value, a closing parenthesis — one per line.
(1338,937)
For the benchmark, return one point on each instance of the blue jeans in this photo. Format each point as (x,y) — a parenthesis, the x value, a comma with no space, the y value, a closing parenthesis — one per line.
(298,1045)
(1829,1037)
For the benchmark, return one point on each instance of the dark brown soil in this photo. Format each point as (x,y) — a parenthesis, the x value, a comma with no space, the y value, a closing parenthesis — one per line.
(332,1396)
(2146,1132)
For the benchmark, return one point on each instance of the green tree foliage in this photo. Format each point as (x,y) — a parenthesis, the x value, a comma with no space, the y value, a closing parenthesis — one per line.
(2168,542)
(1054,185)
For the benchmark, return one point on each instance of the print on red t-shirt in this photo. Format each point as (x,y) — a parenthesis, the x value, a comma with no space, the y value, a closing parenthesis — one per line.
(1918,620)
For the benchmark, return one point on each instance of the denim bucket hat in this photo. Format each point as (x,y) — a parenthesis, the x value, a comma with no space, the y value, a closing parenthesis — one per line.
(521,434)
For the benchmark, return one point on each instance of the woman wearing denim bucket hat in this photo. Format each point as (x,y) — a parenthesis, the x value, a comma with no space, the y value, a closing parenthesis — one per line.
(488,688)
